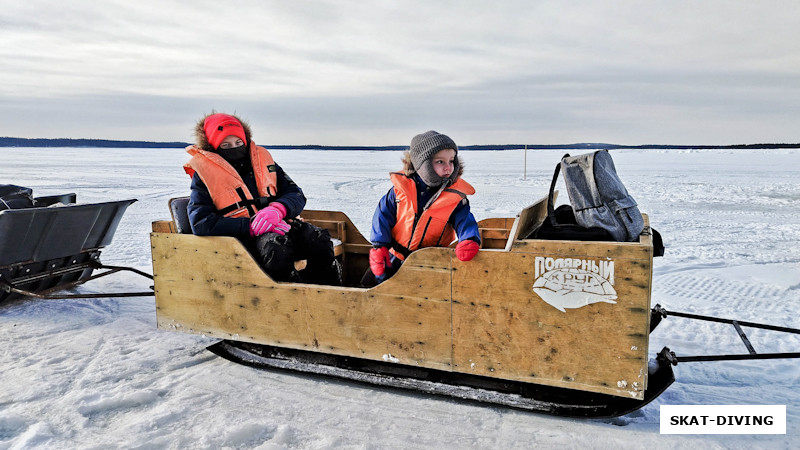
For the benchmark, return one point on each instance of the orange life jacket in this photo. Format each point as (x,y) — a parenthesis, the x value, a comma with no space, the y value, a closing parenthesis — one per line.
(227,189)
(430,228)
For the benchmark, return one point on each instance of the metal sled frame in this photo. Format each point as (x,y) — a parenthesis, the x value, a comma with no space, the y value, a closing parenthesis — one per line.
(658,313)
(70,271)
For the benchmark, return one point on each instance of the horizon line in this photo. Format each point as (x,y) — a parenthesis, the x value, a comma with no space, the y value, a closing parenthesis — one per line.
(114,143)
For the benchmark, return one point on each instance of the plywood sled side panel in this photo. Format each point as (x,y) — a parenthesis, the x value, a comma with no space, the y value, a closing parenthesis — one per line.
(554,318)
(212,286)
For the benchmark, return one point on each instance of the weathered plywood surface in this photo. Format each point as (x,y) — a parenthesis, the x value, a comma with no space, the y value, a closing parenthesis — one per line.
(502,327)
(522,314)
(631,250)
(164,226)
(496,222)
(530,217)
(211,286)
(323,219)
(495,232)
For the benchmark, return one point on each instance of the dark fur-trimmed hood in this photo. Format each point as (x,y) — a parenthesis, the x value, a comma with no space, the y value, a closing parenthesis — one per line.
(201,140)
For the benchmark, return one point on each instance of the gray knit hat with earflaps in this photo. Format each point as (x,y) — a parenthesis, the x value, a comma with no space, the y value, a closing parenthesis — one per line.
(423,147)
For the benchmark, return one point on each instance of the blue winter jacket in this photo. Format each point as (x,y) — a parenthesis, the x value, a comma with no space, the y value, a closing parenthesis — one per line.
(206,220)
(385,216)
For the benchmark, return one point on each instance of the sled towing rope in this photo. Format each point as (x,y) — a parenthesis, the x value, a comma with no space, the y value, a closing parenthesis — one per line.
(658,313)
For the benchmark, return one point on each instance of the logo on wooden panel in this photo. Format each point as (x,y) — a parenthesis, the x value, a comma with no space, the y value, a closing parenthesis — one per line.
(573,283)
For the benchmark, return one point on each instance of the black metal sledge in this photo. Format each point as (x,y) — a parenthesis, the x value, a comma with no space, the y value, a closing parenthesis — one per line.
(50,248)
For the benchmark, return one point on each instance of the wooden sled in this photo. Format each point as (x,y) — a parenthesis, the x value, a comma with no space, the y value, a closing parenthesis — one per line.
(560,327)
(52,247)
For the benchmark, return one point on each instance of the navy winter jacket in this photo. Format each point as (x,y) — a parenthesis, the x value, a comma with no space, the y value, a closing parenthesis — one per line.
(206,220)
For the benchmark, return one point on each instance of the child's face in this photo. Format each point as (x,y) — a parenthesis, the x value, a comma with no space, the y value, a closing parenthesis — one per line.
(231,142)
(444,162)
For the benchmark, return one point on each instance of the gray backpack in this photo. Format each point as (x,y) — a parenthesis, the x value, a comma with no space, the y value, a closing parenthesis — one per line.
(599,198)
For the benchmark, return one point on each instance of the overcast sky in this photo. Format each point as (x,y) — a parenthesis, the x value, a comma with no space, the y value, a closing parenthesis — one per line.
(378,72)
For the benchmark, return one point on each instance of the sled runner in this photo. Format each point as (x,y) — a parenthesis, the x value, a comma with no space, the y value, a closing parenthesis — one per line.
(56,245)
(559,327)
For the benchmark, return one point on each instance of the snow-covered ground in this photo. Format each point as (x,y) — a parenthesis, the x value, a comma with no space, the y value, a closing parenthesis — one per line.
(98,374)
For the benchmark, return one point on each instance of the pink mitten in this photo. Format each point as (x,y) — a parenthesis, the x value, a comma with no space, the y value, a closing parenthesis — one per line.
(269,219)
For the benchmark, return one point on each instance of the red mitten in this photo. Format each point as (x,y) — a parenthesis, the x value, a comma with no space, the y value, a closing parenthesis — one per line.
(379,259)
(269,219)
(466,250)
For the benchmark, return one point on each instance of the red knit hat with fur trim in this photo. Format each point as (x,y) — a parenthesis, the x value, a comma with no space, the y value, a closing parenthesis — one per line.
(220,126)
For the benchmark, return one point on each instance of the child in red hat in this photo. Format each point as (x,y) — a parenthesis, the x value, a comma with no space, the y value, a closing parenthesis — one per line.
(239,190)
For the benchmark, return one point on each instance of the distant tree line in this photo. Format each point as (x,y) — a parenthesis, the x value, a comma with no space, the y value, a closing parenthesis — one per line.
(64,142)
(589,146)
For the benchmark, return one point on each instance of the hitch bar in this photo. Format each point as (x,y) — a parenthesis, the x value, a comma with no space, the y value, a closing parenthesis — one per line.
(658,312)
(48,294)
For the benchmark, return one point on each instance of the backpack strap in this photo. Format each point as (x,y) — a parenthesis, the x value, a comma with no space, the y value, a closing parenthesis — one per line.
(551,212)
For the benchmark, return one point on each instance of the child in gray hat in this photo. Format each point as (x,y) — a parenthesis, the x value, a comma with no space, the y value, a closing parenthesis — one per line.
(427,206)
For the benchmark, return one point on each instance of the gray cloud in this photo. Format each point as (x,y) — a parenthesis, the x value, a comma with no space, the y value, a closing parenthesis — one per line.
(333,72)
